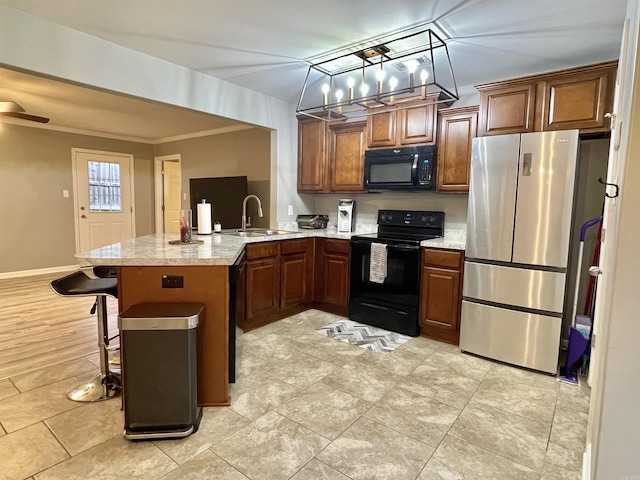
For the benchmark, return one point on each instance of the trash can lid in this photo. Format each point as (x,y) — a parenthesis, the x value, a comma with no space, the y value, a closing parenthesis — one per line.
(160,316)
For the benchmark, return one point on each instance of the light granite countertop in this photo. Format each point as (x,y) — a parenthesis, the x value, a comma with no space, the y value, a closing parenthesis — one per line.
(216,249)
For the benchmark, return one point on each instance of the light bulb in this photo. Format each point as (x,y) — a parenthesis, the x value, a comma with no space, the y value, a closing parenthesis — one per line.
(411,65)
(380,75)
(364,89)
(325,88)
(339,94)
(350,82)
(393,83)
(424,75)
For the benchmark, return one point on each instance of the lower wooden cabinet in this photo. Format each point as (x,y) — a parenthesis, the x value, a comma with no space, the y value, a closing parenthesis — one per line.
(440,295)
(296,272)
(279,281)
(332,275)
(262,292)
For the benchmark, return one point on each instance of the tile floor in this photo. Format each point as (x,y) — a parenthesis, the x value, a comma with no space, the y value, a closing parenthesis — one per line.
(307,407)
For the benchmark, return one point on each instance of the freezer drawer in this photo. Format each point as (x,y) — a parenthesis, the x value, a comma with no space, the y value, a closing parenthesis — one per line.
(518,338)
(534,289)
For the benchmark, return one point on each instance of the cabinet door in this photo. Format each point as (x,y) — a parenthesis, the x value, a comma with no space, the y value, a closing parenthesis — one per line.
(311,155)
(262,290)
(296,267)
(381,129)
(457,128)
(294,285)
(417,125)
(440,304)
(346,157)
(332,275)
(578,101)
(507,109)
(336,279)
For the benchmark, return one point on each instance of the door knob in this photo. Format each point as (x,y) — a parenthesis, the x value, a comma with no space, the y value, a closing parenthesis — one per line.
(595,270)
(83,216)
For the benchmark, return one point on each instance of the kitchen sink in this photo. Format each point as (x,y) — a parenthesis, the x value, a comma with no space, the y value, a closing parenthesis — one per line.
(256,232)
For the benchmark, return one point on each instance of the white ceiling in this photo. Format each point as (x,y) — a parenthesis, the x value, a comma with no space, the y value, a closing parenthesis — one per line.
(268,45)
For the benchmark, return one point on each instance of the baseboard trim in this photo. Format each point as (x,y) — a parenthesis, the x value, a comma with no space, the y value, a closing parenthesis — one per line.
(586,463)
(38,271)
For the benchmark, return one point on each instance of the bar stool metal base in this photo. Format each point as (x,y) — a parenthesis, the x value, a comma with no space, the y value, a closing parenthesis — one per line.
(101,387)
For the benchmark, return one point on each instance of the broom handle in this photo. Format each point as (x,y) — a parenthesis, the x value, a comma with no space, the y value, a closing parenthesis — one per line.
(583,233)
(588,304)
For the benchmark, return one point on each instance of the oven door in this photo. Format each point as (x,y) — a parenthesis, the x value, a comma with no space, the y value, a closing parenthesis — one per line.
(393,304)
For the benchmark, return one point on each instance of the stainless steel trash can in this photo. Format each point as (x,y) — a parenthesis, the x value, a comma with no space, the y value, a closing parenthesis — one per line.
(159,370)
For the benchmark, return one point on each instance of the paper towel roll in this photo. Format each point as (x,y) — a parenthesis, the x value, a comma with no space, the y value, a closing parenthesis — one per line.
(204,218)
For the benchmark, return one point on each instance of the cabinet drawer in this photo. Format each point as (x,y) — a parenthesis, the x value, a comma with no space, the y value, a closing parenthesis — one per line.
(442,258)
(293,246)
(336,246)
(262,250)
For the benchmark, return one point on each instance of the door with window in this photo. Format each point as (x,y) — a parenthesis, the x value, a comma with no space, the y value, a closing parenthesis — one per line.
(103,186)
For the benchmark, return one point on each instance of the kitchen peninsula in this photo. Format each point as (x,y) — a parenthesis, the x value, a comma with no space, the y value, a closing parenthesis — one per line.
(204,270)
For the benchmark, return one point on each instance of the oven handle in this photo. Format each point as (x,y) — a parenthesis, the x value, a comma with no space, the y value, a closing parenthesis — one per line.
(390,246)
(380,307)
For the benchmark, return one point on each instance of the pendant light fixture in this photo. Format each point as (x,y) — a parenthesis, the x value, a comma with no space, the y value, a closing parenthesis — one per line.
(390,72)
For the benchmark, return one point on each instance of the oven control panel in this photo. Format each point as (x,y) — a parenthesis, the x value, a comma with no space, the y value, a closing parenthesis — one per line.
(416,218)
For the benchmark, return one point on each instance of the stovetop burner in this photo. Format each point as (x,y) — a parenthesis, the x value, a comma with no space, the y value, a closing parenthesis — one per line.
(406,227)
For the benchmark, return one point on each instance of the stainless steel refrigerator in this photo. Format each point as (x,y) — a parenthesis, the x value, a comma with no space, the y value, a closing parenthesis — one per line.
(518,228)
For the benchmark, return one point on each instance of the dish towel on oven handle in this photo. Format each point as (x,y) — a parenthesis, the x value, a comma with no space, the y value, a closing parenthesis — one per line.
(378,263)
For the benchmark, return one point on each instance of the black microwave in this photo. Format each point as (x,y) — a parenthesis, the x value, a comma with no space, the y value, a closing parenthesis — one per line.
(408,168)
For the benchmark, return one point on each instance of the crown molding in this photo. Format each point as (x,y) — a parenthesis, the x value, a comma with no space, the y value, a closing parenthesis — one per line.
(126,138)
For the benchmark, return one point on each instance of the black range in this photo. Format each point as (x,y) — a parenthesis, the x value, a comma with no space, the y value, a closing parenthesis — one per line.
(391,302)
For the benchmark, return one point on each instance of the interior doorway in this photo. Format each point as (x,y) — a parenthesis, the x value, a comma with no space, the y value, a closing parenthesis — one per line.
(168,193)
(103,198)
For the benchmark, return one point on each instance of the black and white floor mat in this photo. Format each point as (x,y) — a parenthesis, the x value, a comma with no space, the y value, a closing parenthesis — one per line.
(365,336)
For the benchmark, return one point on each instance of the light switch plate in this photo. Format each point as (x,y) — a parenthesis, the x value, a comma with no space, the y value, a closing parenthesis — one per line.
(290,209)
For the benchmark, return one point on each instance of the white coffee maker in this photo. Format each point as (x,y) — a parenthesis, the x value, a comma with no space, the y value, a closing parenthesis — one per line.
(346,215)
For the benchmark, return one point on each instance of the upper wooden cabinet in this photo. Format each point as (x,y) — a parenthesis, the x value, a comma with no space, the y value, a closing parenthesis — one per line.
(330,156)
(381,130)
(507,109)
(346,157)
(457,127)
(575,98)
(311,154)
(410,126)
(579,100)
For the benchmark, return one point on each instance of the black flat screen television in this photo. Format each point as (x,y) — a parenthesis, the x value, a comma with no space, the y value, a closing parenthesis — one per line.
(225,194)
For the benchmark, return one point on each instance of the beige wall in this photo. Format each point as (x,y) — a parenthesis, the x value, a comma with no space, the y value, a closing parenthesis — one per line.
(245,152)
(36,223)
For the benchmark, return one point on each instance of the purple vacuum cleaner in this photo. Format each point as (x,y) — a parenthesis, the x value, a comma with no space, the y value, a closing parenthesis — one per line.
(580,332)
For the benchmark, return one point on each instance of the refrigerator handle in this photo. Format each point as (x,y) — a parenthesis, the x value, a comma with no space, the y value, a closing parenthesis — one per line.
(526,164)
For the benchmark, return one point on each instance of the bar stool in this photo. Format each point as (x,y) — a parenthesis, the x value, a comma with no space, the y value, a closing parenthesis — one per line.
(115,365)
(104,385)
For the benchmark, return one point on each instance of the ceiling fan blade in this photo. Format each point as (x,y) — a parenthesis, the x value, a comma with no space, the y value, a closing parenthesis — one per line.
(10,107)
(25,116)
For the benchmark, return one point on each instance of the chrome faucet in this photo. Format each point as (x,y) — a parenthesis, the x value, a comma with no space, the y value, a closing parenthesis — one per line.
(244,210)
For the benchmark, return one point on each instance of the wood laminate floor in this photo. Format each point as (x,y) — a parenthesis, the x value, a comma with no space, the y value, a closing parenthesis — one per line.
(39,328)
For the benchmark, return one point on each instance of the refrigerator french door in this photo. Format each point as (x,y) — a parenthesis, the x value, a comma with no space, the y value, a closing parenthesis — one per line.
(518,231)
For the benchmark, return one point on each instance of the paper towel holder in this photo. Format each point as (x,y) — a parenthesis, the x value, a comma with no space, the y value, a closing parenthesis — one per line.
(204,217)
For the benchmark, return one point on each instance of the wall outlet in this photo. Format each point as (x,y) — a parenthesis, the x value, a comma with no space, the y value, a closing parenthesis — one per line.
(290,209)
(172,281)
(184,196)
(65,193)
